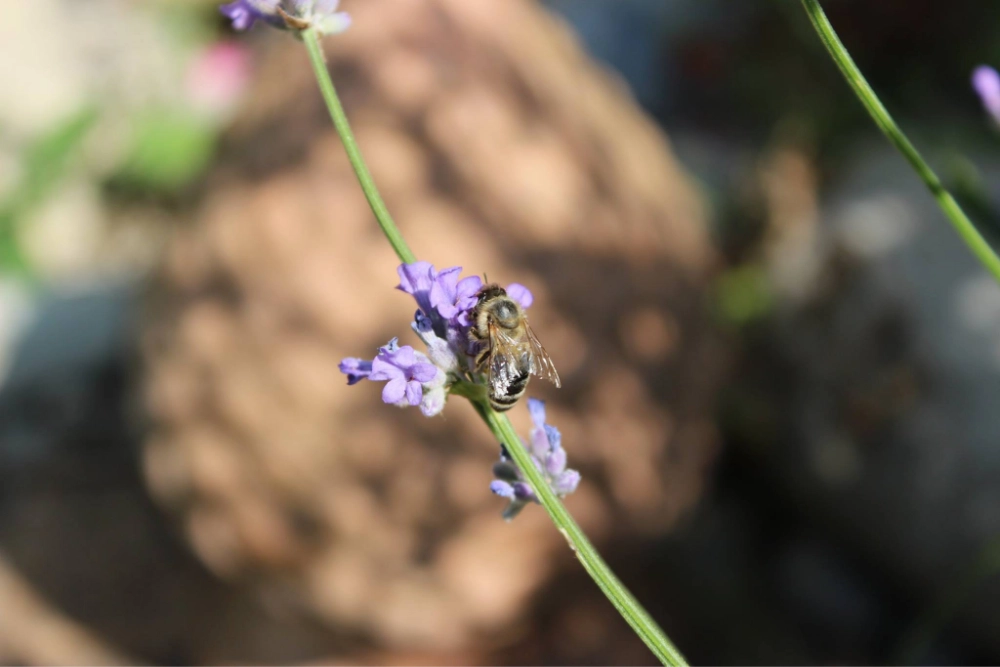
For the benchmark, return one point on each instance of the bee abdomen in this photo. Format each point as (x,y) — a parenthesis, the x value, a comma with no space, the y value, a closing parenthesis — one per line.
(502,403)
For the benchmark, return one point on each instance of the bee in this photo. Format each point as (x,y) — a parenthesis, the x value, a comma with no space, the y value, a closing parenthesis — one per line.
(510,353)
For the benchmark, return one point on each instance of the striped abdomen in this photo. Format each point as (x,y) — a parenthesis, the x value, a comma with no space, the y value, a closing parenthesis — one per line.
(502,403)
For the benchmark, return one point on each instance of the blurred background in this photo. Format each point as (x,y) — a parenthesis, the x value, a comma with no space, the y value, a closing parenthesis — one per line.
(780,365)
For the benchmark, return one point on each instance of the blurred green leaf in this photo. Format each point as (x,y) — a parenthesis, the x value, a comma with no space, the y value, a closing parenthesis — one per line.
(743,294)
(170,148)
(45,163)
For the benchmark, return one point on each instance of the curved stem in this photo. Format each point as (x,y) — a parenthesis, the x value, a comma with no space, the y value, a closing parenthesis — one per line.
(623,601)
(619,596)
(959,220)
(339,118)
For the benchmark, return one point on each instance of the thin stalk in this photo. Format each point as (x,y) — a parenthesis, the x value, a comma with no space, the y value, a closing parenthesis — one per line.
(619,596)
(959,220)
(623,601)
(339,118)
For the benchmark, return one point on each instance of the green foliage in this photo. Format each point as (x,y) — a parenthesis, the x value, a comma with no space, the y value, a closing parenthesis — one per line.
(169,149)
(743,295)
(45,163)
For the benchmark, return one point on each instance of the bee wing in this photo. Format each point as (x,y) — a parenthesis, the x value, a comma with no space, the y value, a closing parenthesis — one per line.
(541,362)
(507,356)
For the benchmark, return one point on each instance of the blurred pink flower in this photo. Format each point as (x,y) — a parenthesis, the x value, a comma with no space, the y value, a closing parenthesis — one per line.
(218,76)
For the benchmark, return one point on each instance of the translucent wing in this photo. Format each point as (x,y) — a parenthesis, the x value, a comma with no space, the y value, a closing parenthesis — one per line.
(508,360)
(541,362)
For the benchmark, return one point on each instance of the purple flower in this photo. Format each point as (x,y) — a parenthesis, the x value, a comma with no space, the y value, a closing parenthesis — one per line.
(355,369)
(404,370)
(521,294)
(322,15)
(548,456)
(445,303)
(451,296)
(244,13)
(986,82)
(443,299)
(416,280)
(410,377)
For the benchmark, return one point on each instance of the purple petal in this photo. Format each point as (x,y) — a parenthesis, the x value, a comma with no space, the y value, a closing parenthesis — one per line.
(555,464)
(440,302)
(986,81)
(394,391)
(502,488)
(414,277)
(355,369)
(540,446)
(443,292)
(403,358)
(327,7)
(467,287)
(422,323)
(537,409)
(414,392)
(390,347)
(384,370)
(447,279)
(241,15)
(566,483)
(521,294)
(423,372)
(554,437)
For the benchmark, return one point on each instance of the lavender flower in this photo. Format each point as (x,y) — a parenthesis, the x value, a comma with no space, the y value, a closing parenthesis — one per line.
(319,14)
(442,297)
(445,303)
(410,376)
(548,456)
(986,82)
(356,369)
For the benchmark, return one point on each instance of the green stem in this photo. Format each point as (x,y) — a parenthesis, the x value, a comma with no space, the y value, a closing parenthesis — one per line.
(339,118)
(977,244)
(630,609)
(623,601)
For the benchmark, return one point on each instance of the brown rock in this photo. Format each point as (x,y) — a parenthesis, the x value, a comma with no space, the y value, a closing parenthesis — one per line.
(502,148)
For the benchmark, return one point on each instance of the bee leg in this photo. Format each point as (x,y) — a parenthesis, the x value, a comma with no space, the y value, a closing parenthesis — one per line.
(481,358)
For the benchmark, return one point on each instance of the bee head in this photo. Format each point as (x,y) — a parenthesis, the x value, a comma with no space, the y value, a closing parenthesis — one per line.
(490,291)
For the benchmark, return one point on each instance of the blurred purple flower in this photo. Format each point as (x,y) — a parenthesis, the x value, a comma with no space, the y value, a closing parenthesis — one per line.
(521,294)
(319,14)
(986,82)
(244,13)
(548,456)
